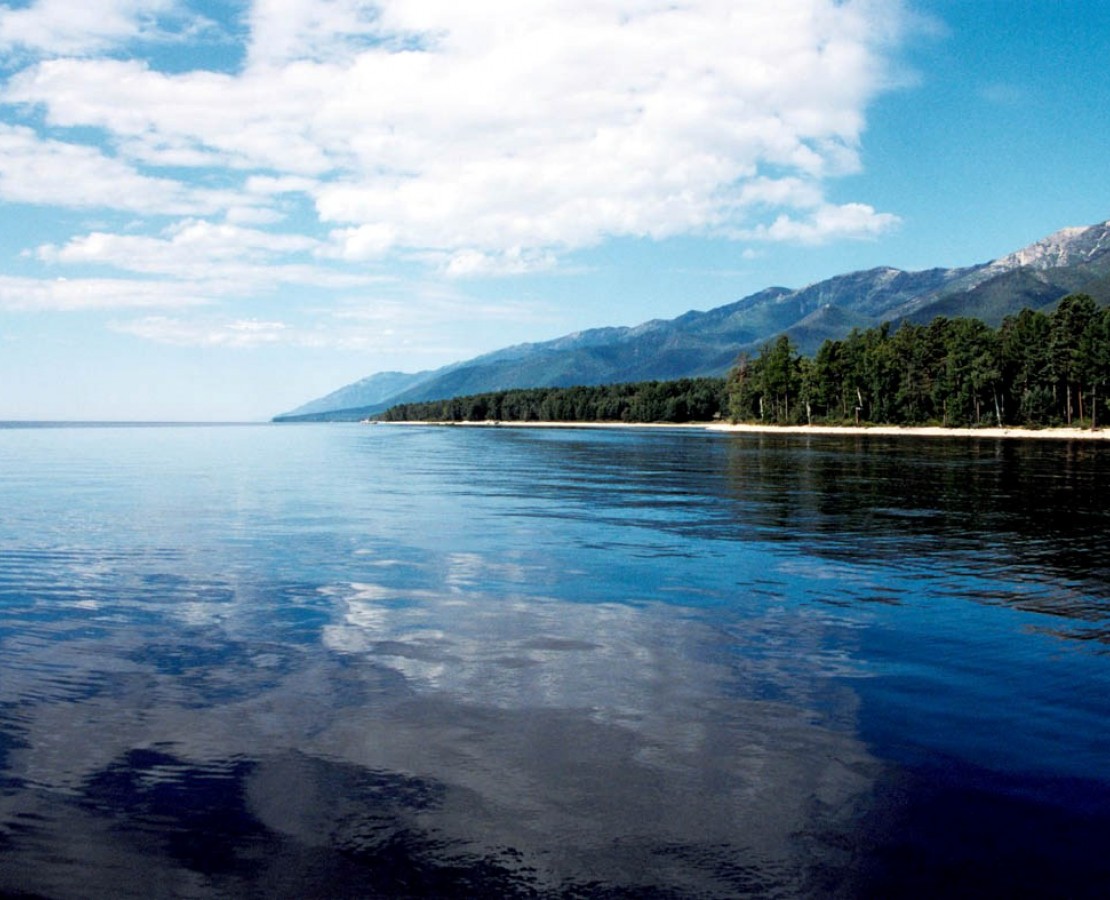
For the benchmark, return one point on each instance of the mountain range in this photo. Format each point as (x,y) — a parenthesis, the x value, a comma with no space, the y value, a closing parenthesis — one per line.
(708,343)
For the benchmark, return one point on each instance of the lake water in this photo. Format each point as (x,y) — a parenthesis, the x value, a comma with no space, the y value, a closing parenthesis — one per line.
(351,661)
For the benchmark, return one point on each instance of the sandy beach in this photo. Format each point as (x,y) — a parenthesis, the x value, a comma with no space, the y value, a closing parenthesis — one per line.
(1067,434)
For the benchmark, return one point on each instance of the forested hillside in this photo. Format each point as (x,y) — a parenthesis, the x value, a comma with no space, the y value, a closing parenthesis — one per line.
(1036,369)
(683,400)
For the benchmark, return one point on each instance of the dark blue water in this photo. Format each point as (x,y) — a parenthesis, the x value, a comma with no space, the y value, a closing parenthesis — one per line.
(353,661)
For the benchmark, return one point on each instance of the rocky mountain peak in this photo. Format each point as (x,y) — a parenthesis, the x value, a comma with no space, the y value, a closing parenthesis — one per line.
(1066,247)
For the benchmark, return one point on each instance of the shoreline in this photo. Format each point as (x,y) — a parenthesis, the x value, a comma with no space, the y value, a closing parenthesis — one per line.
(990,433)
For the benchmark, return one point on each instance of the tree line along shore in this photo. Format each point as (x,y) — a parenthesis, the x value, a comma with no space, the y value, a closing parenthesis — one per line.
(1035,370)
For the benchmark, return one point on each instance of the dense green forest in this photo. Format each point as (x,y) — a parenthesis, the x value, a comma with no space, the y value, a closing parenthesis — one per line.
(684,400)
(1036,369)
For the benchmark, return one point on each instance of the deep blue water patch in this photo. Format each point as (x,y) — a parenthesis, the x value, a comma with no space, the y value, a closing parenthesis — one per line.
(197,815)
(951,830)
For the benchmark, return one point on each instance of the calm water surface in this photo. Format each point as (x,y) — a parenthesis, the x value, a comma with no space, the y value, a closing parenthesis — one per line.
(375,661)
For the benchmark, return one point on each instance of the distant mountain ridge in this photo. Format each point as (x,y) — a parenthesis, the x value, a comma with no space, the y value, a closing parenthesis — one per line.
(707,343)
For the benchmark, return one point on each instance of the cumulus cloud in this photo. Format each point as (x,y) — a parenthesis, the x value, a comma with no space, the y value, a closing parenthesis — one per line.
(825,223)
(367,162)
(72,175)
(243,123)
(491,136)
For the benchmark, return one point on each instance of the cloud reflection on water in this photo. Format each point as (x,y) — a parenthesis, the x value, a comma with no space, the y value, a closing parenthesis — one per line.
(605,661)
(633,744)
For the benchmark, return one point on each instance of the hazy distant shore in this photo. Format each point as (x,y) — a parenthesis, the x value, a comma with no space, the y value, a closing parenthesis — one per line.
(1069,434)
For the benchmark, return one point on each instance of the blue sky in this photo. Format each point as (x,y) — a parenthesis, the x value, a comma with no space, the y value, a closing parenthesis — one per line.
(220,210)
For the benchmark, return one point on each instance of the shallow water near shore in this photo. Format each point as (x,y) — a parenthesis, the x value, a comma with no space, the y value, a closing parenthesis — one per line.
(335,660)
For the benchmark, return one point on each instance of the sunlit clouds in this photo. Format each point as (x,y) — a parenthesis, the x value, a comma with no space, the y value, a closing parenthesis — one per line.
(476,140)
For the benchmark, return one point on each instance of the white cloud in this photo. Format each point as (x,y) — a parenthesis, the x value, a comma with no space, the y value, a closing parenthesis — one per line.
(225,259)
(797,193)
(493,134)
(241,214)
(349,144)
(826,223)
(72,175)
(362,243)
(261,119)
(284,31)
(470,263)
(192,262)
(186,246)
(238,333)
(39,294)
(58,27)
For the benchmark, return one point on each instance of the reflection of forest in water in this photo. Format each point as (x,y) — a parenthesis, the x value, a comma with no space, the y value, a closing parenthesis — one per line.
(1029,515)
(1031,497)
(1025,514)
